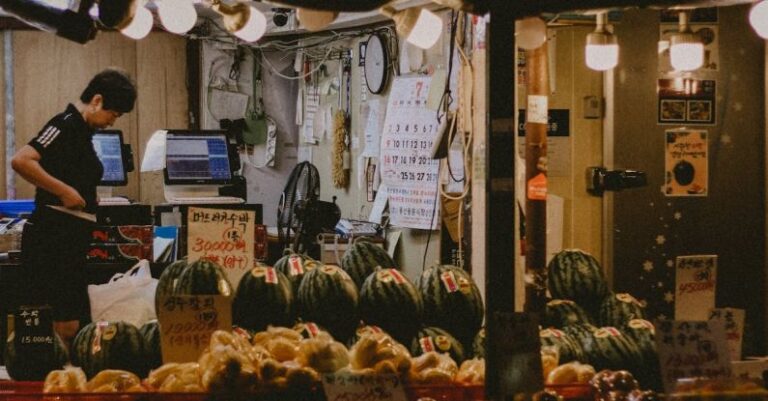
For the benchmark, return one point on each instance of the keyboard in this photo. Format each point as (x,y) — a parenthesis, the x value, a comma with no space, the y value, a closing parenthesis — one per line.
(206,199)
(114,200)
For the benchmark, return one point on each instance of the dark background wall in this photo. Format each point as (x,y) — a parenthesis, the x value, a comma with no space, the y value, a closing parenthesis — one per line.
(730,221)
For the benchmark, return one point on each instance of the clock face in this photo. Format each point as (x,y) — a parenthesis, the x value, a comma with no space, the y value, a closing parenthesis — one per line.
(376,64)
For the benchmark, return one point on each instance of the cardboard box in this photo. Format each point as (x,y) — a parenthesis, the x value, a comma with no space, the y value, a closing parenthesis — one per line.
(118,253)
(122,235)
(752,368)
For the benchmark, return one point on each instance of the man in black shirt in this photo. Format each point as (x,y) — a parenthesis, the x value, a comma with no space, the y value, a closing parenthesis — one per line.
(61,162)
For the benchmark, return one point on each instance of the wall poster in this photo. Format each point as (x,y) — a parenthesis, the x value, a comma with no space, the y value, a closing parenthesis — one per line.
(407,168)
(687,101)
(686,163)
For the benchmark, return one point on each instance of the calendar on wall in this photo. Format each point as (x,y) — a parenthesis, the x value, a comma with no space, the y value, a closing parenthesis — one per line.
(408,170)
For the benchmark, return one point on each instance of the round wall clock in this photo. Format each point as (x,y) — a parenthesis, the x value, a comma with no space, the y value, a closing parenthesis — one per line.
(376,63)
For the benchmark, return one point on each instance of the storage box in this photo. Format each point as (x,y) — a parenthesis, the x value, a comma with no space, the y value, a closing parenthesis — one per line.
(122,235)
(333,247)
(118,253)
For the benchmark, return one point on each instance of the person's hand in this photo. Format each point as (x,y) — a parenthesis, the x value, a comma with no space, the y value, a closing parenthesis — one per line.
(71,199)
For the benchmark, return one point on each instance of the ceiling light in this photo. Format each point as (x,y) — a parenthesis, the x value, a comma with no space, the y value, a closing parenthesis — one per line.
(140,25)
(242,20)
(602,51)
(530,33)
(686,49)
(315,20)
(419,26)
(177,16)
(758,17)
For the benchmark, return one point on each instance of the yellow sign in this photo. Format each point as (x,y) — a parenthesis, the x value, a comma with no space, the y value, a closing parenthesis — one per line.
(187,322)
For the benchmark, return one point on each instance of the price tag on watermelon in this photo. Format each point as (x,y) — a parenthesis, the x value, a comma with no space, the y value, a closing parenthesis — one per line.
(692,349)
(343,387)
(223,236)
(33,331)
(187,322)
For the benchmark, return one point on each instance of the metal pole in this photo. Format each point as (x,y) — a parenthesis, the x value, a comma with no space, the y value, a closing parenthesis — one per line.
(10,116)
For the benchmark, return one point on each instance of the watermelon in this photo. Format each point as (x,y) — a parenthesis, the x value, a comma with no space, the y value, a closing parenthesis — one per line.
(22,366)
(203,277)
(362,258)
(109,345)
(608,348)
(294,266)
(568,348)
(150,334)
(618,309)
(643,334)
(438,340)
(168,279)
(389,300)
(576,275)
(451,301)
(328,296)
(478,344)
(263,298)
(562,312)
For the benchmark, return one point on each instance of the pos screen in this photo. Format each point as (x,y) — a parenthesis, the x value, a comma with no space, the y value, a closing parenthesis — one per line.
(197,158)
(108,145)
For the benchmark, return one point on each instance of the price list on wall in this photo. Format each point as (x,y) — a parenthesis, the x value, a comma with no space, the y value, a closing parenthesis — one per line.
(411,175)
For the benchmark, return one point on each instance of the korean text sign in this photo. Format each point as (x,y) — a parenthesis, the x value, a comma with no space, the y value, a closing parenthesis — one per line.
(187,322)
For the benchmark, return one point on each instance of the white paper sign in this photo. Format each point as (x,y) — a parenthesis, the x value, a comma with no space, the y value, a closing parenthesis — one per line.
(407,168)
(344,387)
(733,321)
(538,109)
(692,349)
(373,129)
(696,276)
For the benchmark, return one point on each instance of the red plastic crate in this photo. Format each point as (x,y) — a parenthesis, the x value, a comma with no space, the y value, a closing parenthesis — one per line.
(442,392)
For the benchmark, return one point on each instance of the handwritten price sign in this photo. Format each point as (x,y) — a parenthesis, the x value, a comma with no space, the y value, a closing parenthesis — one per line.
(692,349)
(187,322)
(349,387)
(223,236)
(695,281)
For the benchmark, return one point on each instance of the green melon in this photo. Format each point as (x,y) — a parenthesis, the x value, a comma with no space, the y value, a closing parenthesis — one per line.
(478,344)
(568,348)
(362,258)
(329,297)
(576,275)
(437,340)
(644,335)
(451,301)
(562,312)
(150,334)
(389,300)
(35,364)
(109,345)
(168,279)
(608,348)
(618,309)
(203,277)
(263,298)
(294,266)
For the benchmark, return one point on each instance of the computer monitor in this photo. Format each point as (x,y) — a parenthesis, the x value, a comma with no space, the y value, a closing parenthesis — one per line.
(197,158)
(108,145)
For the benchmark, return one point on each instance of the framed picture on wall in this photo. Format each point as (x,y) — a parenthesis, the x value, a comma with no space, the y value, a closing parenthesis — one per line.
(686,101)
(699,111)
(672,110)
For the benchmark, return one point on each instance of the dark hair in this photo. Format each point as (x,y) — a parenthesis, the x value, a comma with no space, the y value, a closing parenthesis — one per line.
(115,86)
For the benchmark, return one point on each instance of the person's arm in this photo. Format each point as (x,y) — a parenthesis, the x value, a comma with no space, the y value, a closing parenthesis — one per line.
(26,162)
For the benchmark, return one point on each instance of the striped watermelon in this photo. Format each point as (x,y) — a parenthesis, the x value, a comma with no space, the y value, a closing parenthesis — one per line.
(294,266)
(568,348)
(437,340)
(150,333)
(263,298)
(362,258)
(328,296)
(562,312)
(168,279)
(203,277)
(109,345)
(643,334)
(608,348)
(22,366)
(478,344)
(389,300)
(618,309)
(451,301)
(576,275)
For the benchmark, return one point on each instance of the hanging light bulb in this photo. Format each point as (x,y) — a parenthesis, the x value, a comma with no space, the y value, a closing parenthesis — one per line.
(602,51)
(140,25)
(315,20)
(758,17)
(244,21)
(421,27)
(530,33)
(686,50)
(177,16)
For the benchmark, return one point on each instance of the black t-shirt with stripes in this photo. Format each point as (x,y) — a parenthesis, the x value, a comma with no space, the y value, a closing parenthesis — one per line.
(66,152)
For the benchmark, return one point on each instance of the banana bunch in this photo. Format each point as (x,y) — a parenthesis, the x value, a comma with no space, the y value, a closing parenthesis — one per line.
(176,378)
(378,353)
(225,365)
(472,372)
(433,368)
(67,380)
(322,354)
(282,343)
(570,373)
(115,381)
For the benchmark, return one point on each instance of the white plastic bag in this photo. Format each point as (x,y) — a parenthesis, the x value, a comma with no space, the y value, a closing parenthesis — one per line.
(128,296)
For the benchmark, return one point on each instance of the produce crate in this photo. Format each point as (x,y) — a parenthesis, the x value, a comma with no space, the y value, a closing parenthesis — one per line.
(443,392)
(573,392)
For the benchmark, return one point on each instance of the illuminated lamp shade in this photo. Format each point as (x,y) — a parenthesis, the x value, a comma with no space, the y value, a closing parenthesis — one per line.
(420,27)
(140,25)
(758,17)
(602,51)
(177,16)
(686,51)
(530,33)
(242,20)
(315,20)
